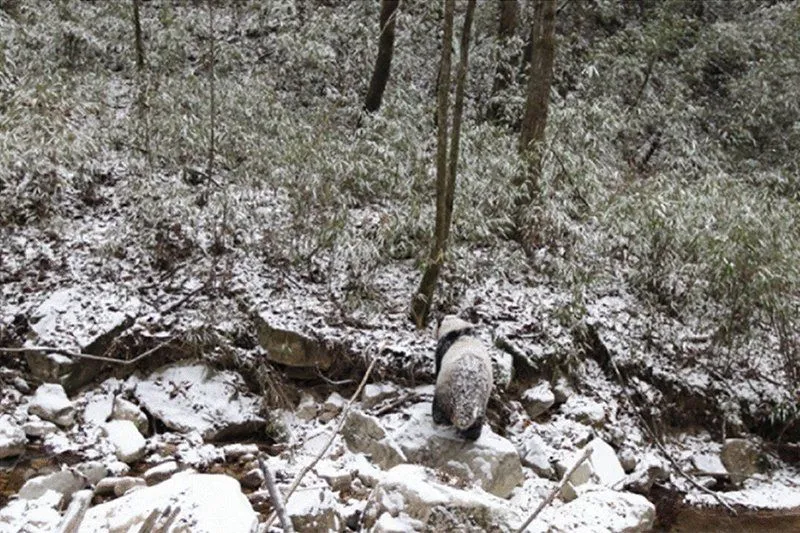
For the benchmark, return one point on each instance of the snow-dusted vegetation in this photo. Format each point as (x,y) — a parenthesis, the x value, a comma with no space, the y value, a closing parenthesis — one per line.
(209,250)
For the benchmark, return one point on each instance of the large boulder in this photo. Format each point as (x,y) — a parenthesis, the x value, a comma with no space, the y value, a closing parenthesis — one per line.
(602,468)
(491,461)
(291,348)
(195,397)
(81,320)
(312,511)
(740,457)
(12,438)
(602,510)
(364,434)
(203,503)
(414,491)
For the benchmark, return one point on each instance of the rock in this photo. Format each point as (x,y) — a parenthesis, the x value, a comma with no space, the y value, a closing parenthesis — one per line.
(307,408)
(39,428)
(21,385)
(491,461)
(194,397)
(538,399)
(562,391)
(337,478)
(12,438)
(126,484)
(37,515)
(627,459)
(502,369)
(584,410)
(602,467)
(375,393)
(649,470)
(124,410)
(64,482)
(535,454)
(603,510)
(402,524)
(129,445)
(314,510)
(206,503)
(252,479)
(160,473)
(291,348)
(74,513)
(235,452)
(93,471)
(80,320)
(415,491)
(363,433)
(332,407)
(106,486)
(50,403)
(740,457)
(709,465)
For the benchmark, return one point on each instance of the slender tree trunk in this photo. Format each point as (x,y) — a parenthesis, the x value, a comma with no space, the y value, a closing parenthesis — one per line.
(445,170)
(383,63)
(137,32)
(504,71)
(212,96)
(538,99)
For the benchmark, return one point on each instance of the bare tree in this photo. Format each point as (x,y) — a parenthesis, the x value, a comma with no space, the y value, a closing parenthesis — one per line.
(504,71)
(137,33)
(445,169)
(383,63)
(538,99)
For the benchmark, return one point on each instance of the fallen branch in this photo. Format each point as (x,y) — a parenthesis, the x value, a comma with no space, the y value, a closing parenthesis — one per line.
(75,512)
(587,451)
(275,495)
(397,402)
(90,357)
(321,454)
(660,445)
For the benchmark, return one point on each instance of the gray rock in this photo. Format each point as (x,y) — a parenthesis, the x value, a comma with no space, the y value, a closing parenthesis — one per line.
(375,393)
(602,510)
(126,484)
(50,403)
(502,369)
(93,471)
(415,491)
(649,470)
(740,457)
(39,428)
(709,465)
(252,479)
(65,482)
(129,445)
(124,410)
(535,454)
(159,473)
(363,433)
(307,408)
(627,459)
(235,452)
(584,410)
(562,391)
(538,399)
(194,397)
(21,385)
(337,478)
(602,468)
(291,348)
(332,407)
(12,438)
(204,502)
(317,511)
(491,461)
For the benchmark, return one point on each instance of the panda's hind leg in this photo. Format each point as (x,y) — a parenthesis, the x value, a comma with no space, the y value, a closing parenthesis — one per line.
(474,431)
(439,415)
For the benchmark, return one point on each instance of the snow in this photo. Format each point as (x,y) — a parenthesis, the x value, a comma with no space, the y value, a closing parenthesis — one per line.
(129,444)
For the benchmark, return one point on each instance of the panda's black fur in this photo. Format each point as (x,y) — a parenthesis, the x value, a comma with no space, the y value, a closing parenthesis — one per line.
(463,378)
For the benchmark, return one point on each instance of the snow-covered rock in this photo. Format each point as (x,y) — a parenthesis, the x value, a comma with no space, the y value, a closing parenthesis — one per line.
(364,433)
(80,319)
(124,410)
(491,461)
(602,467)
(50,403)
(562,391)
(740,457)
(194,397)
(64,482)
(536,455)
(332,407)
(39,428)
(314,510)
(118,485)
(236,451)
(401,524)
(603,510)
(12,438)
(39,515)
(375,393)
(160,473)
(627,458)
(709,465)
(307,408)
(538,399)
(252,479)
(584,410)
(650,468)
(129,444)
(338,478)
(502,368)
(205,503)
(291,348)
(415,491)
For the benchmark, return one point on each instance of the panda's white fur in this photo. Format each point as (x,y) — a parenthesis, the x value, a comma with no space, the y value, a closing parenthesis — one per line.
(463,378)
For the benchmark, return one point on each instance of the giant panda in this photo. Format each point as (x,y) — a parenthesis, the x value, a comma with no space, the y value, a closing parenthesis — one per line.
(463,378)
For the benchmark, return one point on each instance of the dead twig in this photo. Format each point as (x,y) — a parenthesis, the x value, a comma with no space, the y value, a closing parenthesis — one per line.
(80,355)
(321,454)
(587,451)
(277,501)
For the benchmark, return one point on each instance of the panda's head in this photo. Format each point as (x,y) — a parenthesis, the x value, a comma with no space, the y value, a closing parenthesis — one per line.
(450,324)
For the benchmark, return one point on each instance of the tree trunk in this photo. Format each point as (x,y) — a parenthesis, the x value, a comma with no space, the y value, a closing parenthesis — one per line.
(445,171)
(137,33)
(538,99)
(504,71)
(384,61)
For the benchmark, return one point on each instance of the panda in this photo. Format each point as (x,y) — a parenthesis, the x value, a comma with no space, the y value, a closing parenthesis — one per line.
(463,378)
